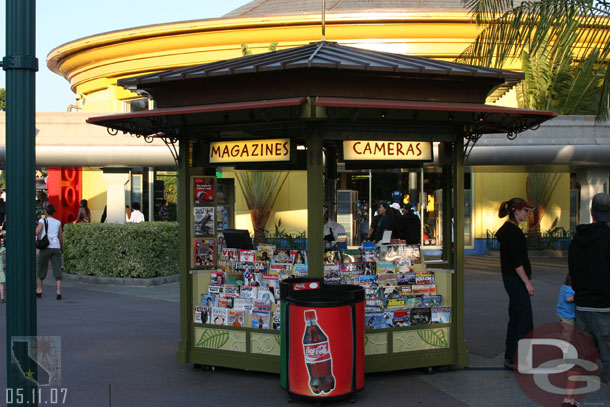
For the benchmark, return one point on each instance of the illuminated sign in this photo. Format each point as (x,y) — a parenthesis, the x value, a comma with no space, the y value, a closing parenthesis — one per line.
(250,151)
(387,150)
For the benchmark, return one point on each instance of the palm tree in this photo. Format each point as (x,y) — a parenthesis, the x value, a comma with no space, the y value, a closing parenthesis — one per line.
(564,46)
(261,190)
(539,189)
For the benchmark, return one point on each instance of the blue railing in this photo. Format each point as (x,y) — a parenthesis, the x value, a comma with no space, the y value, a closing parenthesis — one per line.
(558,240)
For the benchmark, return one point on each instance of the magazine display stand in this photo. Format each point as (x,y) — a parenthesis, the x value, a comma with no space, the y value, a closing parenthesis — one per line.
(413,310)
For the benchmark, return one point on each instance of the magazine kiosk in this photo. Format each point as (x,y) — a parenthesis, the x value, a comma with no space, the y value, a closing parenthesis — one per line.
(368,109)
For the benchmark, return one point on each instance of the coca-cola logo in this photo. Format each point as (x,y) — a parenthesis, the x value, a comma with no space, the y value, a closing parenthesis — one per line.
(317,352)
(305,286)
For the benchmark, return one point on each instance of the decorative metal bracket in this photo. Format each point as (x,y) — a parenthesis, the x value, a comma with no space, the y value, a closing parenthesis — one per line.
(471,140)
(172,144)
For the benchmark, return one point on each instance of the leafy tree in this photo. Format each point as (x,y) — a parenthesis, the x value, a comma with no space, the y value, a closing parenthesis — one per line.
(2,99)
(564,46)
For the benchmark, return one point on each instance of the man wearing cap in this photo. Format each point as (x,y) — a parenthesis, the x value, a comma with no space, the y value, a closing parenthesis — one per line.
(589,267)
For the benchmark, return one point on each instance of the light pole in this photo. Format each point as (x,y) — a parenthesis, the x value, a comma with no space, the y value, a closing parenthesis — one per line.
(20,65)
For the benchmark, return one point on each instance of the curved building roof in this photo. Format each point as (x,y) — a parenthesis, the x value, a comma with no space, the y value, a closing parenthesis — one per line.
(277,7)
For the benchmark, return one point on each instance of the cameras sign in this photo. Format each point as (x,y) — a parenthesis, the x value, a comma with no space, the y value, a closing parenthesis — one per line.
(241,151)
(387,150)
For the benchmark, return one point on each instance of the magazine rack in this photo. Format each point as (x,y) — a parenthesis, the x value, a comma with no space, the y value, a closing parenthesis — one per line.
(391,348)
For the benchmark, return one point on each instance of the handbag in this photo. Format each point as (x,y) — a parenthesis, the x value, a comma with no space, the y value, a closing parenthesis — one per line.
(44,242)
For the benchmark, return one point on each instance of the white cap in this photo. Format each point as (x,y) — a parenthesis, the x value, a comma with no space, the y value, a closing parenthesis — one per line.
(395,205)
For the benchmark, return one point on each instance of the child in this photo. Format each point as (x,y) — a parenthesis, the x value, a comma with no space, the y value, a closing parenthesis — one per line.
(2,275)
(566,311)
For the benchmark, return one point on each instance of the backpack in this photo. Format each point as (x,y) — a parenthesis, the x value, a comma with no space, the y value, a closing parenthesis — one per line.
(44,242)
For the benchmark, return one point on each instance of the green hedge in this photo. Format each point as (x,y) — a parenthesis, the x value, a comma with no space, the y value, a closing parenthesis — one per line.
(136,250)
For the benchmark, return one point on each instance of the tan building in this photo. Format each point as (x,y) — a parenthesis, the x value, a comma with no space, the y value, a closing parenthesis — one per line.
(428,28)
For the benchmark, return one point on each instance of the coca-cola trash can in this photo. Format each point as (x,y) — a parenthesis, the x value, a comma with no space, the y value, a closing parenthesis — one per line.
(287,286)
(323,357)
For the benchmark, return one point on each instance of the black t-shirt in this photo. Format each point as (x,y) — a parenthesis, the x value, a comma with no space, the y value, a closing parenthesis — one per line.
(385,223)
(513,250)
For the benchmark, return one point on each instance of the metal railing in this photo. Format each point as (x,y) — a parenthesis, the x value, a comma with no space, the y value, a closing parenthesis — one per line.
(558,239)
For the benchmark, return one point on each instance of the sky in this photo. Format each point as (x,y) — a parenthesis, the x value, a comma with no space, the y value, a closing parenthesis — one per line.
(62,21)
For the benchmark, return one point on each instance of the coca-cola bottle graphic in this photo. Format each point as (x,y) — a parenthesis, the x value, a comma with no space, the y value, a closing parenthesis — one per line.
(318,358)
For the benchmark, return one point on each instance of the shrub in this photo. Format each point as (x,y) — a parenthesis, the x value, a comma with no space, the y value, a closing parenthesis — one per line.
(136,250)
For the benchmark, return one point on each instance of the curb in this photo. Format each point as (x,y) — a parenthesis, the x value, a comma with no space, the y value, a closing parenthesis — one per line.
(139,282)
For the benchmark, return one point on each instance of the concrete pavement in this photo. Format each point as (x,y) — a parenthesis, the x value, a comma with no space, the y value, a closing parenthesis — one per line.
(119,349)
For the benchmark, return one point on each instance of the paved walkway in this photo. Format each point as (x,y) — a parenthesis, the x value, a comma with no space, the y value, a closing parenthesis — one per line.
(119,350)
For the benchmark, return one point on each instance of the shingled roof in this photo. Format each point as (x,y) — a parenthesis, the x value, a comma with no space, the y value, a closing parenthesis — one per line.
(326,55)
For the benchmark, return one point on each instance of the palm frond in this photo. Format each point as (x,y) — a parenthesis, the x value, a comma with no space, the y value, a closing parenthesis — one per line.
(568,31)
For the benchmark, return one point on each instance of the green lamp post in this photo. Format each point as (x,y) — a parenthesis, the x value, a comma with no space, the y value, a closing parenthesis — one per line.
(20,65)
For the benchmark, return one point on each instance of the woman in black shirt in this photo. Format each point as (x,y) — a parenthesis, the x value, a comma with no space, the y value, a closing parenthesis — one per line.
(516,275)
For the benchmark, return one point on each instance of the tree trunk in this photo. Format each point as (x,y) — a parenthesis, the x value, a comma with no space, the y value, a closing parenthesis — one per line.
(534,237)
(259,220)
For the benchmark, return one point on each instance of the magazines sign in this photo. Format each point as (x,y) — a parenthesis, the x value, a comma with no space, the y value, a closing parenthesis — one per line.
(381,150)
(267,150)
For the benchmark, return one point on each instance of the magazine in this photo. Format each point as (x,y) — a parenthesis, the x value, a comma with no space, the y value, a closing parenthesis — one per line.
(243,303)
(298,256)
(247,255)
(230,254)
(236,317)
(402,318)
(217,278)
(235,279)
(369,268)
(215,289)
(203,190)
(281,256)
(424,278)
(205,252)
(198,311)
(208,300)
(351,256)
(203,220)
(277,318)
(261,319)
(332,257)
(248,291)
(441,315)
(231,290)
(219,316)
(222,218)
(420,316)
(384,267)
(431,300)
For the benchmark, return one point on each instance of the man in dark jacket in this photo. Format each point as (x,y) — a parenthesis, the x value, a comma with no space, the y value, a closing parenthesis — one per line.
(589,266)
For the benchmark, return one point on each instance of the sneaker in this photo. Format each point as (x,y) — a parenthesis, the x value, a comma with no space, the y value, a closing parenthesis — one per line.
(570,403)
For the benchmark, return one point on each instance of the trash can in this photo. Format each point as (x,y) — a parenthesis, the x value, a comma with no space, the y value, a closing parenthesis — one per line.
(323,356)
(287,286)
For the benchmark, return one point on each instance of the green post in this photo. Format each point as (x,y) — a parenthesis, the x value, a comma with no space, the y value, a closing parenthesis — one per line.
(184,345)
(458,254)
(20,65)
(315,199)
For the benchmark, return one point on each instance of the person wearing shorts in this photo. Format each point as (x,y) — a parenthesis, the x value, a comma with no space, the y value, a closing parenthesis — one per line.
(52,252)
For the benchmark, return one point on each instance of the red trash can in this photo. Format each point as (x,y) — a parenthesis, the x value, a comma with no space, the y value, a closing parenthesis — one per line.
(324,353)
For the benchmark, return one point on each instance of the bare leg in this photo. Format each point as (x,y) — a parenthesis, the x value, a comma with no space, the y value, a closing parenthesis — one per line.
(1,291)
(58,287)
(39,286)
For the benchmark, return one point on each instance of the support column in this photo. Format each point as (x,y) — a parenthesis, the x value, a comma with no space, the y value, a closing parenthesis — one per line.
(315,198)
(116,179)
(20,65)
(458,248)
(592,181)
